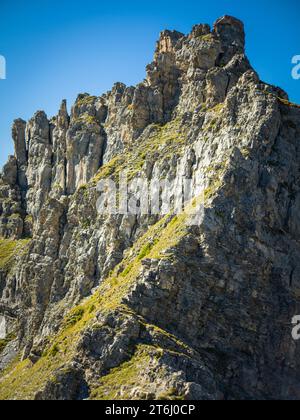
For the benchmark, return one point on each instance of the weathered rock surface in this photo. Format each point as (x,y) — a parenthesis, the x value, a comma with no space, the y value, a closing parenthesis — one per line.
(159,309)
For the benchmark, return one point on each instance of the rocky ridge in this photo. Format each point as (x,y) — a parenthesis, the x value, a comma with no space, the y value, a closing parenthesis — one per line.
(146,307)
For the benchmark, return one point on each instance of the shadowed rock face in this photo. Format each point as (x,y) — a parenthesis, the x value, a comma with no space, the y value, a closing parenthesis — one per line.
(165,310)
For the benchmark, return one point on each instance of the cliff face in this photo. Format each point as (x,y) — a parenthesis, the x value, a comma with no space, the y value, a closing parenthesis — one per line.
(143,306)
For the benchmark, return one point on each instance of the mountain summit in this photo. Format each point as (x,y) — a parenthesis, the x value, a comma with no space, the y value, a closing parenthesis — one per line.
(147,306)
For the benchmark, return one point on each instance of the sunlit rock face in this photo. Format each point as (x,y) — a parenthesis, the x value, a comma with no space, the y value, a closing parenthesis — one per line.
(176,311)
(2,328)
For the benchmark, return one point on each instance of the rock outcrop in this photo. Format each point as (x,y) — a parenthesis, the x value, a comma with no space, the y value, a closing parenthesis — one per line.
(122,306)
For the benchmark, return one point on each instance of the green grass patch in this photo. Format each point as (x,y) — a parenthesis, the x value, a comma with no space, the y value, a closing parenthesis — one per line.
(9,250)
(4,342)
(75,316)
(167,140)
(171,395)
(146,250)
(127,375)
(54,350)
(86,100)
(207,38)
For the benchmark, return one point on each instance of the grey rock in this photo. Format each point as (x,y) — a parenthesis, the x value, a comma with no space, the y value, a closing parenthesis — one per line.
(210,311)
(10,172)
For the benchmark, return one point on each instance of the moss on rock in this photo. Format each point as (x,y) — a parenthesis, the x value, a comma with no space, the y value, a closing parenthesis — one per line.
(120,381)
(9,250)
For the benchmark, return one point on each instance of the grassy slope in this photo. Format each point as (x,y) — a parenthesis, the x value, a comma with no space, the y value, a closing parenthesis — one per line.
(22,380)
(9,249)
(164,141)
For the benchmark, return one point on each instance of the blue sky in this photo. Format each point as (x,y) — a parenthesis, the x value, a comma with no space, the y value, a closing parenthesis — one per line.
(57,49)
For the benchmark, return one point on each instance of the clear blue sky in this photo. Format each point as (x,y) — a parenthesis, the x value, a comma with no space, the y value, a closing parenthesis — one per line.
(56,49)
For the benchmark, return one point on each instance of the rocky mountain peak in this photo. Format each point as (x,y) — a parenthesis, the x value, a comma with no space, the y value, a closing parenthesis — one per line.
(231,31)
(167,41)
(187,71)
(177,310)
